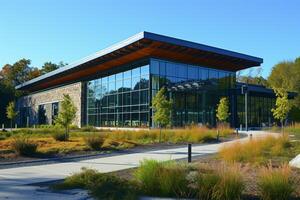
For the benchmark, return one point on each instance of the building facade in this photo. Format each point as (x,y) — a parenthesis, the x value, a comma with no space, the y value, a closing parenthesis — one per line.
(115,87)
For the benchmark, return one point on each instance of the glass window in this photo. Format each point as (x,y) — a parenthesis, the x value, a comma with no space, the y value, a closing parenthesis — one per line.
(127,85)
(162,68)
(181,70)
(136,83)
(135,96)
(145,70)
(144,83)
(192,73)
(136,72)
(154,67)
(119,76)
(203,73)
(170,69)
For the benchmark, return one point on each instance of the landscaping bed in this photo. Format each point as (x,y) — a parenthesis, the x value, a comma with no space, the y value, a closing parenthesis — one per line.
(48,143)
(260,174)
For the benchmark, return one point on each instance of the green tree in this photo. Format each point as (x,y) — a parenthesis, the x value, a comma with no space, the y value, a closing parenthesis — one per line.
(67,114)
(282,106)
(162,109)
(49,66)
(222,111)
(11,112)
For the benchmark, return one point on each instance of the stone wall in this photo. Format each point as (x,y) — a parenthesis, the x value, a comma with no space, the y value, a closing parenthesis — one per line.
(50,96)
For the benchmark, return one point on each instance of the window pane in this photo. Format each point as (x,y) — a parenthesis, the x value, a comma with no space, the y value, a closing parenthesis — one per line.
(145,70)
(144,83)
(154,67)
(136,83)
(192,73)
(170,69)
(136,72)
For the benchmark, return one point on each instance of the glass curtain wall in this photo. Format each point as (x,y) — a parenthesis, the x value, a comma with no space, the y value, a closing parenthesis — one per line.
(195,90)
(121,99)
(259,110)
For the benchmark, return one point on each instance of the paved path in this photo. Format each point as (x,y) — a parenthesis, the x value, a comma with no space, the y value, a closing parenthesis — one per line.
(14,181)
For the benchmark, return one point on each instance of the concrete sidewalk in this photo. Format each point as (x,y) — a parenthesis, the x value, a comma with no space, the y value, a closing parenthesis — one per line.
(13,180)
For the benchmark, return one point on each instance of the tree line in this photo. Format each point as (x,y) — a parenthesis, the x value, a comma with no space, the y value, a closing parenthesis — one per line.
(14,74)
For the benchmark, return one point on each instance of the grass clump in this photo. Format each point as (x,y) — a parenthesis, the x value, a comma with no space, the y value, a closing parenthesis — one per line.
(94,141)
(60,136)
(165,179)
(275,183)
(226,183)
(23,146)
(256,150)
(100,186)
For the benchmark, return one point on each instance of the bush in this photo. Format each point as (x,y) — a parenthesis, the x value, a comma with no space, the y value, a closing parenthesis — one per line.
(23,146)
(275,184)
(101,186)
(60,136)
(166,179)
(94,141)
(89,129)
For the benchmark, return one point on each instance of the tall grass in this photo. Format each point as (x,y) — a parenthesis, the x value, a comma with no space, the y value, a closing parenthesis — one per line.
(275,184)
(226,183)
(189,134)
(255,150)
(166,179)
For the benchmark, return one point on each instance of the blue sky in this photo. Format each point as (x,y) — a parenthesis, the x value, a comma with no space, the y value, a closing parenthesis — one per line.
(67,30)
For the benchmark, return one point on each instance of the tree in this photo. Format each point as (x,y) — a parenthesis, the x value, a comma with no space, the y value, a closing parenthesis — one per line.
(222,111)
(66,114)
(282,106)
(11,113)
(162,109)
(49,66)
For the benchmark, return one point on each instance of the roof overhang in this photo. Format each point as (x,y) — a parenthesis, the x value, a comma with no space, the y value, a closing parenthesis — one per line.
(140,46)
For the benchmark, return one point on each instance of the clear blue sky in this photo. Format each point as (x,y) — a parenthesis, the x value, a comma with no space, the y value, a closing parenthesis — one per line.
(67,30)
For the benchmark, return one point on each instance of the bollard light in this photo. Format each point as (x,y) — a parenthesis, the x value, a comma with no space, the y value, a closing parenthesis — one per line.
(189,153)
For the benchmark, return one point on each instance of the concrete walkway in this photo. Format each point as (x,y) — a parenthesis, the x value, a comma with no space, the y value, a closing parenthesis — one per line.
(14,181)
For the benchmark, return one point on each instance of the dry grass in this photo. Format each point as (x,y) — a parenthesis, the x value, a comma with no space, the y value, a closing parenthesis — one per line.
(276,183)
(189,134)
(255,150)
(111,139)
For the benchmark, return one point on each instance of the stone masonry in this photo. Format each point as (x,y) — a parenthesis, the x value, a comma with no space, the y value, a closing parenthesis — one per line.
(46,98)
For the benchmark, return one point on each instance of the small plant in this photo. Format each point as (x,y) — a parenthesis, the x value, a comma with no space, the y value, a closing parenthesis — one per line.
(60,136)
(94,141)
(275,184)
(23,146)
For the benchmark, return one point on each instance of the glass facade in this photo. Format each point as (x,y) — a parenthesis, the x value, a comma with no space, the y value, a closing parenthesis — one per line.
(120,99)
(195,90)
(259,109)
(123,98)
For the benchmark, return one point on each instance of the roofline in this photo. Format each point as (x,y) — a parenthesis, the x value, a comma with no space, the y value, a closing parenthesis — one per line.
(135,38)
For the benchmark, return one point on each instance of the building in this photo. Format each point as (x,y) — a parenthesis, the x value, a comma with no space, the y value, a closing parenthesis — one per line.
(114,87)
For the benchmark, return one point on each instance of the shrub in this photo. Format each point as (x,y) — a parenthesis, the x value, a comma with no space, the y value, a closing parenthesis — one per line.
(101,186)
(94,141)
(275,184)
(60,136)
(23,146)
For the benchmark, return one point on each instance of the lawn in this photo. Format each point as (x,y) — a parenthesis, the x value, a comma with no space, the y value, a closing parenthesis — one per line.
(49,140)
